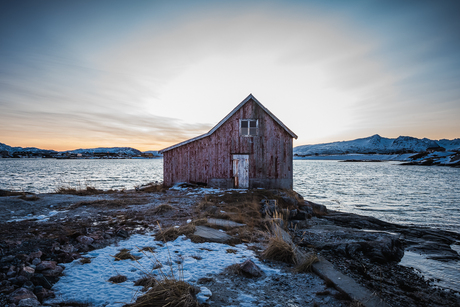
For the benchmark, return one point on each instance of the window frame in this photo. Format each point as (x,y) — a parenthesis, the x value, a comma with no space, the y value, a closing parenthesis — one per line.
(248,132)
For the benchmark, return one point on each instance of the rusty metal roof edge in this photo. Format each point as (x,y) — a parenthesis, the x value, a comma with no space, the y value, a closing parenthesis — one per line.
(292,134)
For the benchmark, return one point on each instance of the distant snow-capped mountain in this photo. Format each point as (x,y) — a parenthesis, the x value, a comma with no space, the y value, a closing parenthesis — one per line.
(10,149)
(376,144)
(115,150)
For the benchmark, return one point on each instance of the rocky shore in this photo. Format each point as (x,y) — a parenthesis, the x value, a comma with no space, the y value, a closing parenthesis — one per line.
(39,233)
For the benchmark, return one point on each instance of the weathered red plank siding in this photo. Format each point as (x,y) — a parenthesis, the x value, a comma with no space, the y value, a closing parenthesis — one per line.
(270,153)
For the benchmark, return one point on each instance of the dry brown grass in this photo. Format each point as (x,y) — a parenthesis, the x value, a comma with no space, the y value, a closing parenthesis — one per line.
(238,207)
(118,279)
(279,250)
(306,264)
(145,282)
(172,233)
(29,197)
(163,208)
(88,190)
(168,292)
(152,187)
(125,254)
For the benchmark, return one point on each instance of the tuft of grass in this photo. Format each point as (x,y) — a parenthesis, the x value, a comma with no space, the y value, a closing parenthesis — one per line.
(145,282)
(29,197)
(231,251)
(163,208)
(306,264)
(168,292)
(172,233)
(118,279)
(88,190)
(124,254)
(152,187)
(279,250)
(85,260)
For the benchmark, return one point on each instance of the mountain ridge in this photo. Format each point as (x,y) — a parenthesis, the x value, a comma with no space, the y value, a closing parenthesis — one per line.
(117,150)
(376,144)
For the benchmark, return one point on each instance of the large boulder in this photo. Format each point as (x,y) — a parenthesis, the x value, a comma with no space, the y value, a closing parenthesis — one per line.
(249,268)
(21,294)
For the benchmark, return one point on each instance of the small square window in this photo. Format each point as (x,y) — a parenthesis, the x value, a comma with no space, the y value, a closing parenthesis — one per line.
(249,127)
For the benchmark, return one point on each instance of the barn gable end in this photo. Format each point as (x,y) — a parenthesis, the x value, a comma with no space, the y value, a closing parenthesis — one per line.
(210,158)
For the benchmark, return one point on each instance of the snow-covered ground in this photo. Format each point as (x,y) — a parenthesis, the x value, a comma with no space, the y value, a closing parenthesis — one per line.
(89,282)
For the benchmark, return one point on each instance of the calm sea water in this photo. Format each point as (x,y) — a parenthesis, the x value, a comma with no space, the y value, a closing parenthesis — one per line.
(426,196)
(417,195)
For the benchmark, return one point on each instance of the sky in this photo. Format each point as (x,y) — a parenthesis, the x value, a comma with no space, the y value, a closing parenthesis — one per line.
(149,74)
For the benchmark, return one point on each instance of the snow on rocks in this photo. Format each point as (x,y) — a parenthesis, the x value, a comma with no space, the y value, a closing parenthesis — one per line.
(204,295)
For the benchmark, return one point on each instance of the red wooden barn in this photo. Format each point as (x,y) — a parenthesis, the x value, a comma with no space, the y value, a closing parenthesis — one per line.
(249,148)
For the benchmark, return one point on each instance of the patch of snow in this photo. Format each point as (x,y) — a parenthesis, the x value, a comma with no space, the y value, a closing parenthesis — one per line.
(93,276)
(204,295)
(247,300)
(40,218)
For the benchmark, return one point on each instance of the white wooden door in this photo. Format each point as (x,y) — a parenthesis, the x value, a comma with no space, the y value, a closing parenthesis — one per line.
(241,171)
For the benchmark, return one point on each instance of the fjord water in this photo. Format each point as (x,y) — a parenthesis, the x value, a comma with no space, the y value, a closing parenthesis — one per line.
(419,195)
(403,194)
(46,175)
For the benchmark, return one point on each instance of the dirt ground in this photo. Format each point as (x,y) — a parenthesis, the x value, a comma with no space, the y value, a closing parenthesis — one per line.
(54,224)
(57,225)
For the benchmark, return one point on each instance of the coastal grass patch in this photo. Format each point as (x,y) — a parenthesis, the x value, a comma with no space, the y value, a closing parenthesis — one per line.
(146,282)
(22,195)
(168,292)
(152,187)
(82,189)
(118,279)
(237,208)
(305,266)
(279,250)
(163,208)
(125,254)
(29,197)
(172,233)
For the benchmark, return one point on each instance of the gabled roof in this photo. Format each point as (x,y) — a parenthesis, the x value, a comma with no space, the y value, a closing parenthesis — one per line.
(250,97)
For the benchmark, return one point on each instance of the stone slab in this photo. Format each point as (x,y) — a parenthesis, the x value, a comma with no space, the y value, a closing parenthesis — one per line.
(211,234)
(224,223)
(326,270)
